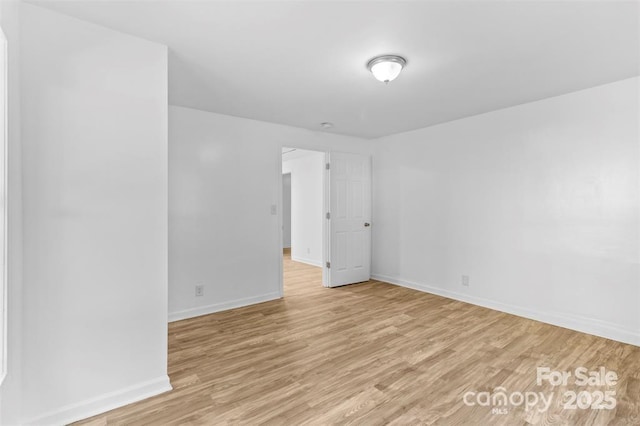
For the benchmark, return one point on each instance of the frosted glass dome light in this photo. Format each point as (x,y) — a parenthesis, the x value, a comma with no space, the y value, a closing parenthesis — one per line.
(386,68)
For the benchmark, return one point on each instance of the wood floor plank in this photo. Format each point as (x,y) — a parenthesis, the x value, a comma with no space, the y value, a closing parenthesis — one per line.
(373,354)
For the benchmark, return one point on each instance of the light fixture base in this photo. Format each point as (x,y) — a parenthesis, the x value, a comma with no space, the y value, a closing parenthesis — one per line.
(386,68)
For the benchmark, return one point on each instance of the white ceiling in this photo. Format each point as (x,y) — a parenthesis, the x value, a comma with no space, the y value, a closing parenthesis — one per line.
(303,62)
(295,153)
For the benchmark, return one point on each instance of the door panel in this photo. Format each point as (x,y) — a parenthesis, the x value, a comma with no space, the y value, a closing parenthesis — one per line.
(350,207)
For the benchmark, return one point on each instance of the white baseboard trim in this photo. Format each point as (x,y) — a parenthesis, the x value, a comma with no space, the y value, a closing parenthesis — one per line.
(581,324)
(311,262)
(222,306)
(103,403)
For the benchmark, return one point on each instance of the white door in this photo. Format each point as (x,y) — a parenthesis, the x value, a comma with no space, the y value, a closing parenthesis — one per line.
(349,222)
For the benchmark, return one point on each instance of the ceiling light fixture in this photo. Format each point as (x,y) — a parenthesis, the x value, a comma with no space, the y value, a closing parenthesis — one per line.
(387,67)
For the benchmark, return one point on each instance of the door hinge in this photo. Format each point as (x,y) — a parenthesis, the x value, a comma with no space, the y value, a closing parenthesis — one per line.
(328,166)
(328,215)
(328,265)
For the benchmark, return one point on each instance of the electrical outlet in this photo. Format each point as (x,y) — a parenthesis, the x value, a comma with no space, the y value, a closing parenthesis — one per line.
(308,250)
(199,290)
(465,280)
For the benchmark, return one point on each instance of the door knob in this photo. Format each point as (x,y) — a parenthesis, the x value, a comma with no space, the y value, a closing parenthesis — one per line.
(367,224)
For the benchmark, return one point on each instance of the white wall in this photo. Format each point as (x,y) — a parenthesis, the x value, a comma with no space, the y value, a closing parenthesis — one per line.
(307,187)
(538,204)
(10,391)
(221,231)
(286,210)
(94,139)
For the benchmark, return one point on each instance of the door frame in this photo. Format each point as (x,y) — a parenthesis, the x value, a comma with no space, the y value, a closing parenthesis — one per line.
(4,193)
(326,199)
(282,210)
(326,229)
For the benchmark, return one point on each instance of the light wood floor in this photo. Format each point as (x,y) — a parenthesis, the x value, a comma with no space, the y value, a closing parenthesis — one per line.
(372,354)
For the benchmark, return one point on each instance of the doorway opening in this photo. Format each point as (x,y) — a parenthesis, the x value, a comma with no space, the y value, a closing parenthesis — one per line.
(303,227)
(330,217)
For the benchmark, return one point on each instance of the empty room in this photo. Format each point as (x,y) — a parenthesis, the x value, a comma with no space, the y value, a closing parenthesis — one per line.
(317,212)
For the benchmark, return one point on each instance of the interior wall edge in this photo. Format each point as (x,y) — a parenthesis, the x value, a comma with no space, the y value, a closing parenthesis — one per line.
(222,306)
(104,403)
(307,261)
(559,319)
